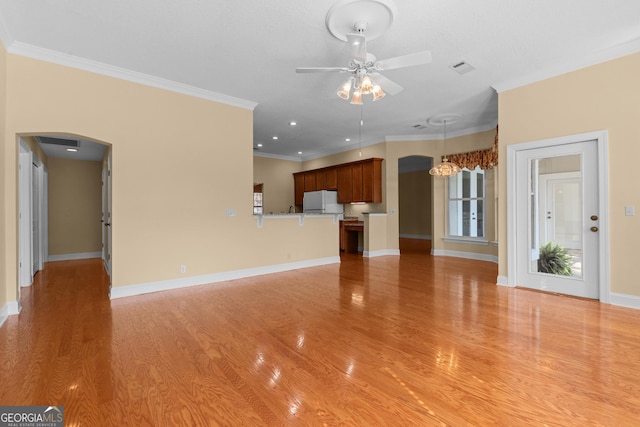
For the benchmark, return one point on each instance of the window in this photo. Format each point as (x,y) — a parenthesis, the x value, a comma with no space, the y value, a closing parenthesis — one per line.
(257,198)
(466,203)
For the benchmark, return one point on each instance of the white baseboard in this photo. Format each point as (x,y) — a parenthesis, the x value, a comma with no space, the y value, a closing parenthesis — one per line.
(7,310)
(623,300)
(69,257)
(383,252)
(415,236)
(503,281)
(468,255)
(165,285)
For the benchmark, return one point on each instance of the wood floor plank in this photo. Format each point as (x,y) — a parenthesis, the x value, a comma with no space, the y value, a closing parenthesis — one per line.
(408,340)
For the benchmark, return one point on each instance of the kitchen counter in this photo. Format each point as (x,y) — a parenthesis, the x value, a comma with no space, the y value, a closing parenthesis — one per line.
(300,215)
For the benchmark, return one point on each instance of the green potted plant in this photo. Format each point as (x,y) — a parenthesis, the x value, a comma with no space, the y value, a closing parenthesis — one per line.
(554,259)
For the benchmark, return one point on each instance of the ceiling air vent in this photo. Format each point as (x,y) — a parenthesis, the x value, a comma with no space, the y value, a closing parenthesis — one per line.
(57,141)
(419,126)
(462,67)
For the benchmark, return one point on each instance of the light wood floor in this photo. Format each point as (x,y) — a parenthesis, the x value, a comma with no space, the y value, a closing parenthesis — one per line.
(400,341)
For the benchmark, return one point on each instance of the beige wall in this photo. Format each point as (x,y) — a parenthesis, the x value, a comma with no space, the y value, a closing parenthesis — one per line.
(600,97)
(180,163)
(398,149)
(75,206)
(392,151)
(414,191)
(277,177)
(6,246)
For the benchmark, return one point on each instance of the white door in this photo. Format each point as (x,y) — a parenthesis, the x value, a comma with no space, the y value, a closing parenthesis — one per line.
(25,276)
(559,205)
(108,223)
(104,215)
(35,218)
(554,265)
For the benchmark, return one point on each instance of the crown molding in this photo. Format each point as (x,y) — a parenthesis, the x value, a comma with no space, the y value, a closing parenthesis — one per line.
(623,49)
(455,134)
(47,55)
(277,156)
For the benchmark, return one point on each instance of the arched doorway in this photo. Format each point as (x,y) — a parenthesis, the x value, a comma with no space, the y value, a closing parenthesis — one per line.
(415,203)
(65,209)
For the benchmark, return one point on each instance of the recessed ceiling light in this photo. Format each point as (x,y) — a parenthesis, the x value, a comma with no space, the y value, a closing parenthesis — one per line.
(299,152)
(347,139)
(292,123)
(259,145)
(73,150)
(275,137)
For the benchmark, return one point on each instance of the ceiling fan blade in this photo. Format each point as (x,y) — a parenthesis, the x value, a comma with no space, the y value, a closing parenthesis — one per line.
(411,60)
(322,70)
(389,86)
(358,46)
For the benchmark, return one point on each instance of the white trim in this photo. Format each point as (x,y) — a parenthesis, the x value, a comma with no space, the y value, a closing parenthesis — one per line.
(438,137)
(468,255)
(9,309)
(466,240)
(165,285)
(602,140)
(503,281)
(382,252)
(416,236)
(623,300)
(42,54)
(277,156)
(597,57)
(69,257)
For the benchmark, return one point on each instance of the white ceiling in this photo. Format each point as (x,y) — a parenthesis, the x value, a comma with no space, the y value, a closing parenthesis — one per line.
(247,51)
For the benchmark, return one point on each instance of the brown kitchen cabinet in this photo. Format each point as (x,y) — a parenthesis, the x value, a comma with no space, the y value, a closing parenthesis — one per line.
(298,187)
(310,181)
(331,178)
(359,181)
(349,230)
(345,184)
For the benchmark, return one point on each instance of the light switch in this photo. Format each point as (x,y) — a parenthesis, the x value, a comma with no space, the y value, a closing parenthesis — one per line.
(629,210)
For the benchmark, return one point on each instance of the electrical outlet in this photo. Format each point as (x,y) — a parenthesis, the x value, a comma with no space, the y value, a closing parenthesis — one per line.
(183,269)
(231,212)
(629,210)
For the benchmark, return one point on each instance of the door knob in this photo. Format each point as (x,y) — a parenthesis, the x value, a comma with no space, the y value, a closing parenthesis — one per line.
(594,217)
(594,229)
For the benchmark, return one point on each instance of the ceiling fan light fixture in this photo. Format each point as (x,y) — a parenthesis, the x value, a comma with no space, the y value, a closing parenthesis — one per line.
(366,85)
(377,92)
(356,99)
(344,90)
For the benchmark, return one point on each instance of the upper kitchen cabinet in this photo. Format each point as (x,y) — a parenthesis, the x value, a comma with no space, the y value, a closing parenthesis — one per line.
(372,181)
(331,178)
(345,183)
(298,187)
(359,181)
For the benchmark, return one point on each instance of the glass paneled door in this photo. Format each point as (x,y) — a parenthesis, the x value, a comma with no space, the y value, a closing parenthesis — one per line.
(557,219)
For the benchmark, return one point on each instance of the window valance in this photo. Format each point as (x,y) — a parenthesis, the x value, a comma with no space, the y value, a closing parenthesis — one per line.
(486,159)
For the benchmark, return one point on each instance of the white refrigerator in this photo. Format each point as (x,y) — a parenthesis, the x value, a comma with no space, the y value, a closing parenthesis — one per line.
(323,201)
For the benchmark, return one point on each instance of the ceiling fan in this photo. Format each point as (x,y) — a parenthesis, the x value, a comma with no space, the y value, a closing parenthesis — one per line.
(364,69)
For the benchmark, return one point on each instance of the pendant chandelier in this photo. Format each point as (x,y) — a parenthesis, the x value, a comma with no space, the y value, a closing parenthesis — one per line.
(446,168)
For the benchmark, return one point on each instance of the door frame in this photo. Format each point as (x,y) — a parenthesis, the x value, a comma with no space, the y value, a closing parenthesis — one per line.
(601,138)
(25,240)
